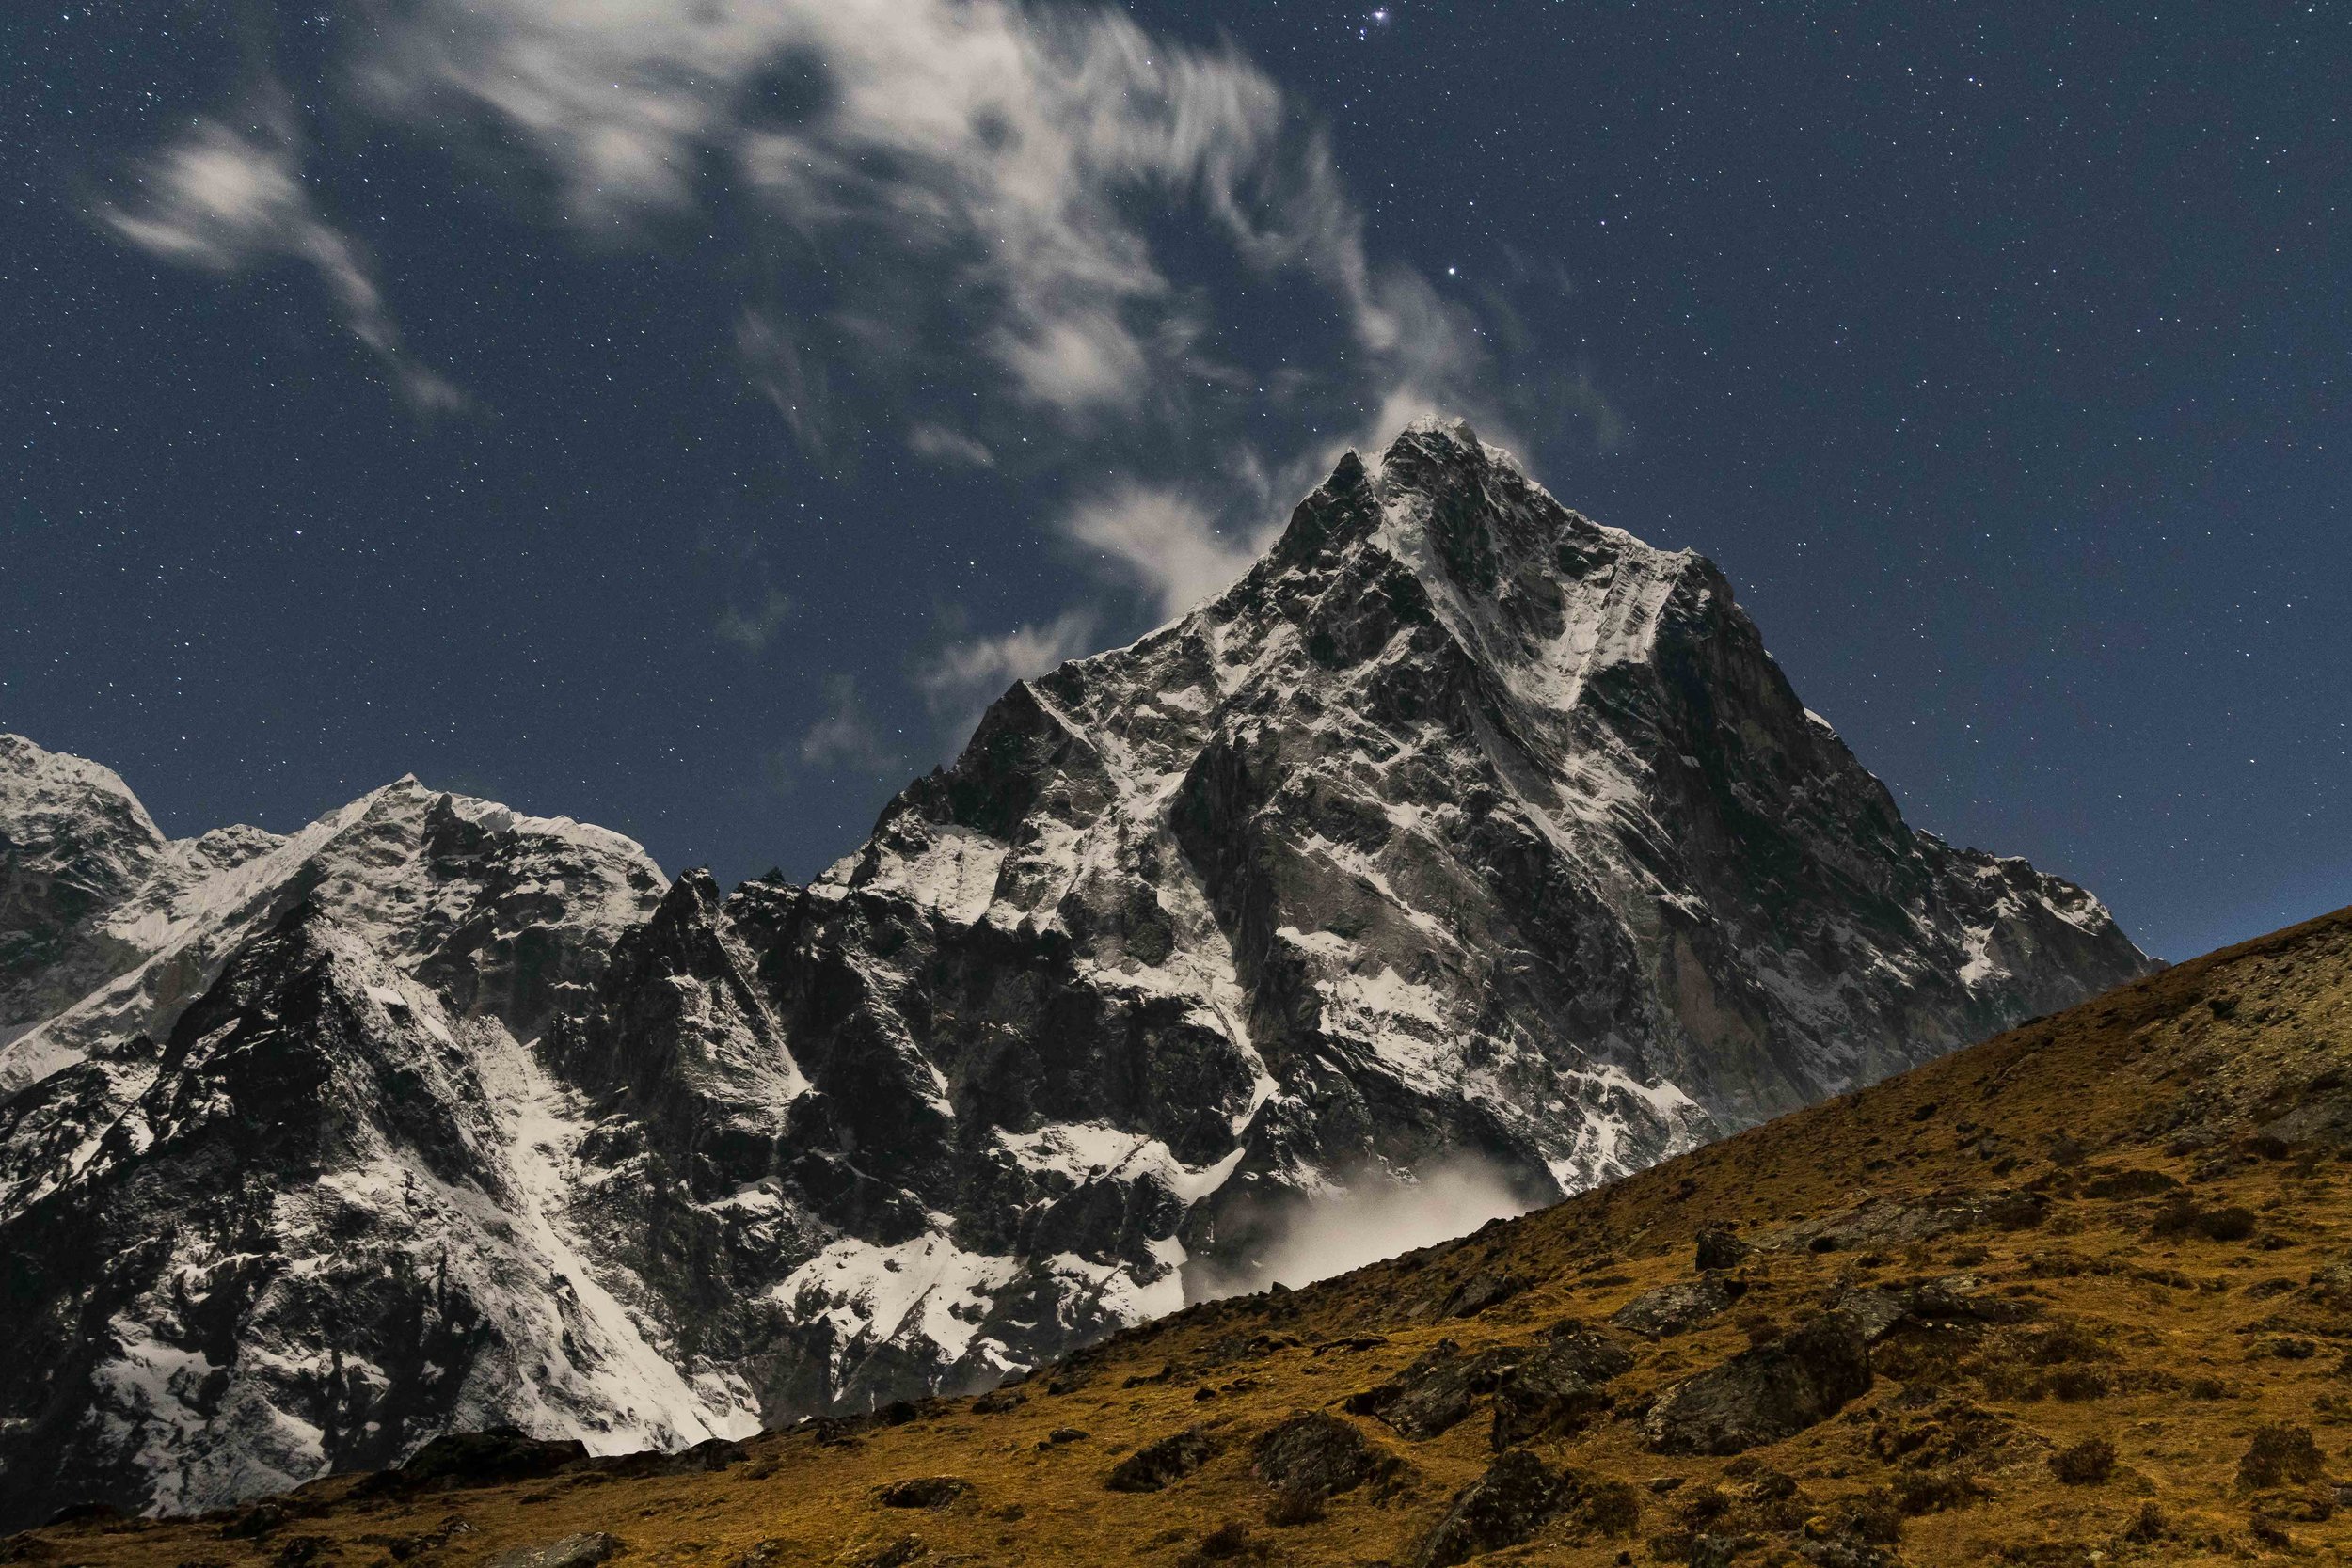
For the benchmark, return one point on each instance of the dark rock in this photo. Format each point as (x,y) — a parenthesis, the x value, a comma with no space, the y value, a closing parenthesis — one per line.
(1719,1249)
(923,1492)
(1317,1452)
(1873,1310)
(572,1551)
(1845,1554)
(1001,1401)
(1482,1289)
(774,1552)
(252,1523)
(400,1549)
(1588,1352)
(1434,1392)
(1718,1551)
(1544,1396)
(489,1458)
(1517,1497)
(1155,1465)
(1764,1394)
(896,1554)
(1678,1307)
(712,1454)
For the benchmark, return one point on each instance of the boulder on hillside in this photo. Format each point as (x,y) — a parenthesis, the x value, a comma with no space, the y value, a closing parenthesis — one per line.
(1587,1351)
(923,1492)
(1314,1451)
(1435,1392)
(489,1458)
(1545,1395)
(1678,1307)
(1719,1249)
(1481,1290)
(1763,1395)
(1153,1465)
(572,1551)
(1517,1497)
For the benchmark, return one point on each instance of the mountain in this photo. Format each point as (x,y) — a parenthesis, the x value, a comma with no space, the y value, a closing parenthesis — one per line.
(1463,842)
(2078,1294)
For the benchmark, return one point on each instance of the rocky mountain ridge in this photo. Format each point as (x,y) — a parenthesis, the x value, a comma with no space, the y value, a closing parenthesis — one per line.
(1462,828)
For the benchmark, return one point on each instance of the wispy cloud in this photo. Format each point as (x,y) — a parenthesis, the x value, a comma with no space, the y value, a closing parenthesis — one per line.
(1165,544)
(966,676)
(961,213)
(943,445)
(751,626)
(227,200)
(995,148)
(847,738)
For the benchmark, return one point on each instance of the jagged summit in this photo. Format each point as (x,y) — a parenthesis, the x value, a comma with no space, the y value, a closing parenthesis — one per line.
(1461,829)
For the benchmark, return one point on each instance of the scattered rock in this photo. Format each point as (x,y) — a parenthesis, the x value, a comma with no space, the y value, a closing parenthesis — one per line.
(1545,1395)
(252,1523)
(923,1492)
(1481,1290)
(896,1554)
(1591,1354)
(1518,1495)
(1719,1249)
(1318,1453)
(1717,1551)
(572,1551)
(1001,1401)
(297,1551)
(400,1549)
(711,1454)
(1435,1392)
(489,1458)
(1764,1394)
(773,1552)
(1873,1310)
(1153,1465)
(1881,1223)
(1677,1308)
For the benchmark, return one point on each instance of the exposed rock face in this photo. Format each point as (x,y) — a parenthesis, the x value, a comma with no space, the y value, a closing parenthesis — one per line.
(1763,1395)
(1316,1453)
(1461,825)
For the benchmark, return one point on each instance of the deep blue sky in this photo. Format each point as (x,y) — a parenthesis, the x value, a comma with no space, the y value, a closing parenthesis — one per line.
(683,424)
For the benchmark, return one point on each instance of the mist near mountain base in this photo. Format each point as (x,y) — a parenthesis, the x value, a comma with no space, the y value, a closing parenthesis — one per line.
(1377,1215)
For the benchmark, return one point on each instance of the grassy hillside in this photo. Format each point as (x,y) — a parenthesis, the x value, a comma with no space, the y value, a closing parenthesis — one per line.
(2081,1293)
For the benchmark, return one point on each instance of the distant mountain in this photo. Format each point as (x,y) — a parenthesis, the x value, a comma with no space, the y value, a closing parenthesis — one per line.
(1461,828)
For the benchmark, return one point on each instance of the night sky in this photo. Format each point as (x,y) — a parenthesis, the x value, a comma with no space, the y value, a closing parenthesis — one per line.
(685,417)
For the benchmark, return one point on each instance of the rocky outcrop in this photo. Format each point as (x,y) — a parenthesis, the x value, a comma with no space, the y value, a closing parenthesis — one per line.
(1763,1395)
(1462,827)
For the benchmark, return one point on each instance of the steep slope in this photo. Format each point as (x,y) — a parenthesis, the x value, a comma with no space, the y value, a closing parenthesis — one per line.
(1462,828)
(2077,1294)
(1462,831)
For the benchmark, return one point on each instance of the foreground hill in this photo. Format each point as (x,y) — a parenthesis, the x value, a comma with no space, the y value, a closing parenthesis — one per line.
(2081,1293)
(1462,826)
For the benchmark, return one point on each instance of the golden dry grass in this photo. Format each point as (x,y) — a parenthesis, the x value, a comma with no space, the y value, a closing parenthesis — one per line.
(2135,1327)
